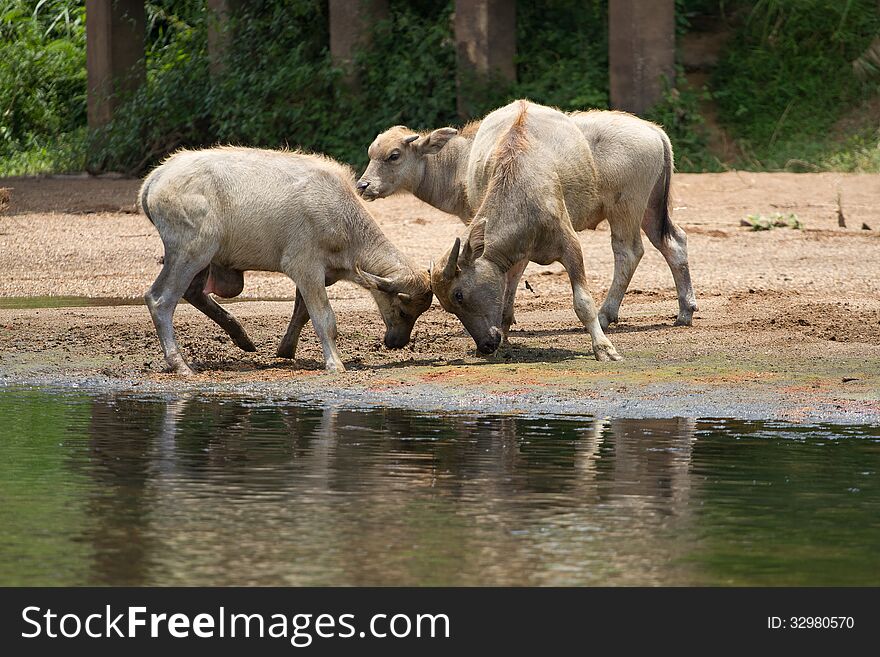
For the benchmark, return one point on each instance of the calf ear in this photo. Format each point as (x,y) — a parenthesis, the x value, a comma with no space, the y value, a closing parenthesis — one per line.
(435,141)
(476,242)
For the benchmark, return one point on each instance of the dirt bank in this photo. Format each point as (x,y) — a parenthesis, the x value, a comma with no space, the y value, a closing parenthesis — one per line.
(789,320)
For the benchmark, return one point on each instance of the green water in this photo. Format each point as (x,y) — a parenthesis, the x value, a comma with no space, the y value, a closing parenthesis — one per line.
(98,489)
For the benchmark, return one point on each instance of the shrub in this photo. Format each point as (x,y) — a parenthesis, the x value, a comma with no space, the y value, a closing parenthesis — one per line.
(787,74)
(42,85)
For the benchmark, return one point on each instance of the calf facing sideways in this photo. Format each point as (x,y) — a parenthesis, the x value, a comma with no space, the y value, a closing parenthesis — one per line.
(223,211)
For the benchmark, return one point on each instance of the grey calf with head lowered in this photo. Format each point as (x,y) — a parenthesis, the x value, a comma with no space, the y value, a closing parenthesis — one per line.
(224,211)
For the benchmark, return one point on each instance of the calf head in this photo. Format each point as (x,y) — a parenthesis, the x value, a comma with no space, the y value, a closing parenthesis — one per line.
(397,160)
(472,288)
(401,301)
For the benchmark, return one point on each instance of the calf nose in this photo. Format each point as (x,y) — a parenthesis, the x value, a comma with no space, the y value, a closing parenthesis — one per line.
(489,345)
(394,341)
(362,185)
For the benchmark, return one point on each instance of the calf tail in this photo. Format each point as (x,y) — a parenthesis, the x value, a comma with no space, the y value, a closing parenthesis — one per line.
(665,219)
(142,197)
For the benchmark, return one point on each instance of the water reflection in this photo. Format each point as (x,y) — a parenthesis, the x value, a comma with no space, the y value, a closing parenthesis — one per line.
(199,490)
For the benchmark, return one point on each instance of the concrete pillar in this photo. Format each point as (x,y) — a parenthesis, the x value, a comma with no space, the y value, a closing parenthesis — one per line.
(219,31)
(114,55)
(641,51)
(485,38)
(350,25)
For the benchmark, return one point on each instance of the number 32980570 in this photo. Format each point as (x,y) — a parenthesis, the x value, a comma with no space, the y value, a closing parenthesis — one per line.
(811,623)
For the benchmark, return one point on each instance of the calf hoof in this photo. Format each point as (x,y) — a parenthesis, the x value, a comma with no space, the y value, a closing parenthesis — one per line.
(686,315)
(335,368)
(606,352)
(284,351)
(183,369)
(245,344)
(606,319)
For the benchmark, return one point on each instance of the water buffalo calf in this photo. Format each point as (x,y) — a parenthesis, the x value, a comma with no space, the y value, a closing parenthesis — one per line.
(223,211)
(531,168)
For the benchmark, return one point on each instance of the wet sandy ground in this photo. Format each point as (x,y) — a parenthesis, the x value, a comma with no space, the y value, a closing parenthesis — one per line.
(788,327)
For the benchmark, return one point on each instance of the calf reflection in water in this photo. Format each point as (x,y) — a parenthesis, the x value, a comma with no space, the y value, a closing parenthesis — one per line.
(234,493)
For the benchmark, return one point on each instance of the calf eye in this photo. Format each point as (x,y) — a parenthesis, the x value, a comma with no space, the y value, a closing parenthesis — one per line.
(394,156)
(458,296)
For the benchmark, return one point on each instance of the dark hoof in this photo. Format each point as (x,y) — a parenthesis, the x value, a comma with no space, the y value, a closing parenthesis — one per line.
(244,343)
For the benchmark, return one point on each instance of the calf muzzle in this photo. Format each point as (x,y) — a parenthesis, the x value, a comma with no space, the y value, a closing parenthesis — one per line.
(396,340)
(489,345)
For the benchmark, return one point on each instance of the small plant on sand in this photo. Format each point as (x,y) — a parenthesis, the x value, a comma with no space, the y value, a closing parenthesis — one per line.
(775,220)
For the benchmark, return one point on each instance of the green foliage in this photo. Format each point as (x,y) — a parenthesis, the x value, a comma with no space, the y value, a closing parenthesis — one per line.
(784,79)
(680,115)
(170,110)
(286,91)
(407,76)
(562,54)
(42,85)
(787,74)
(281,92)
(858,153)
(855,153)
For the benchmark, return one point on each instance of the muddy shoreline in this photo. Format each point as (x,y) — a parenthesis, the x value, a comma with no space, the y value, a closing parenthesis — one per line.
(643,402)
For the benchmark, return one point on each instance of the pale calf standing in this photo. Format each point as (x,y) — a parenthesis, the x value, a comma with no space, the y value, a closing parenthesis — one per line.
(223,211)
(633,167)
(532,169)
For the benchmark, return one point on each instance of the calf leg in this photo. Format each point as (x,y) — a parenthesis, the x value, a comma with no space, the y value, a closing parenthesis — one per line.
(626,243)
(513,276)
(573,261)
(317,306)
(197,297)
(287,347)
(674,249)
(162,299)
